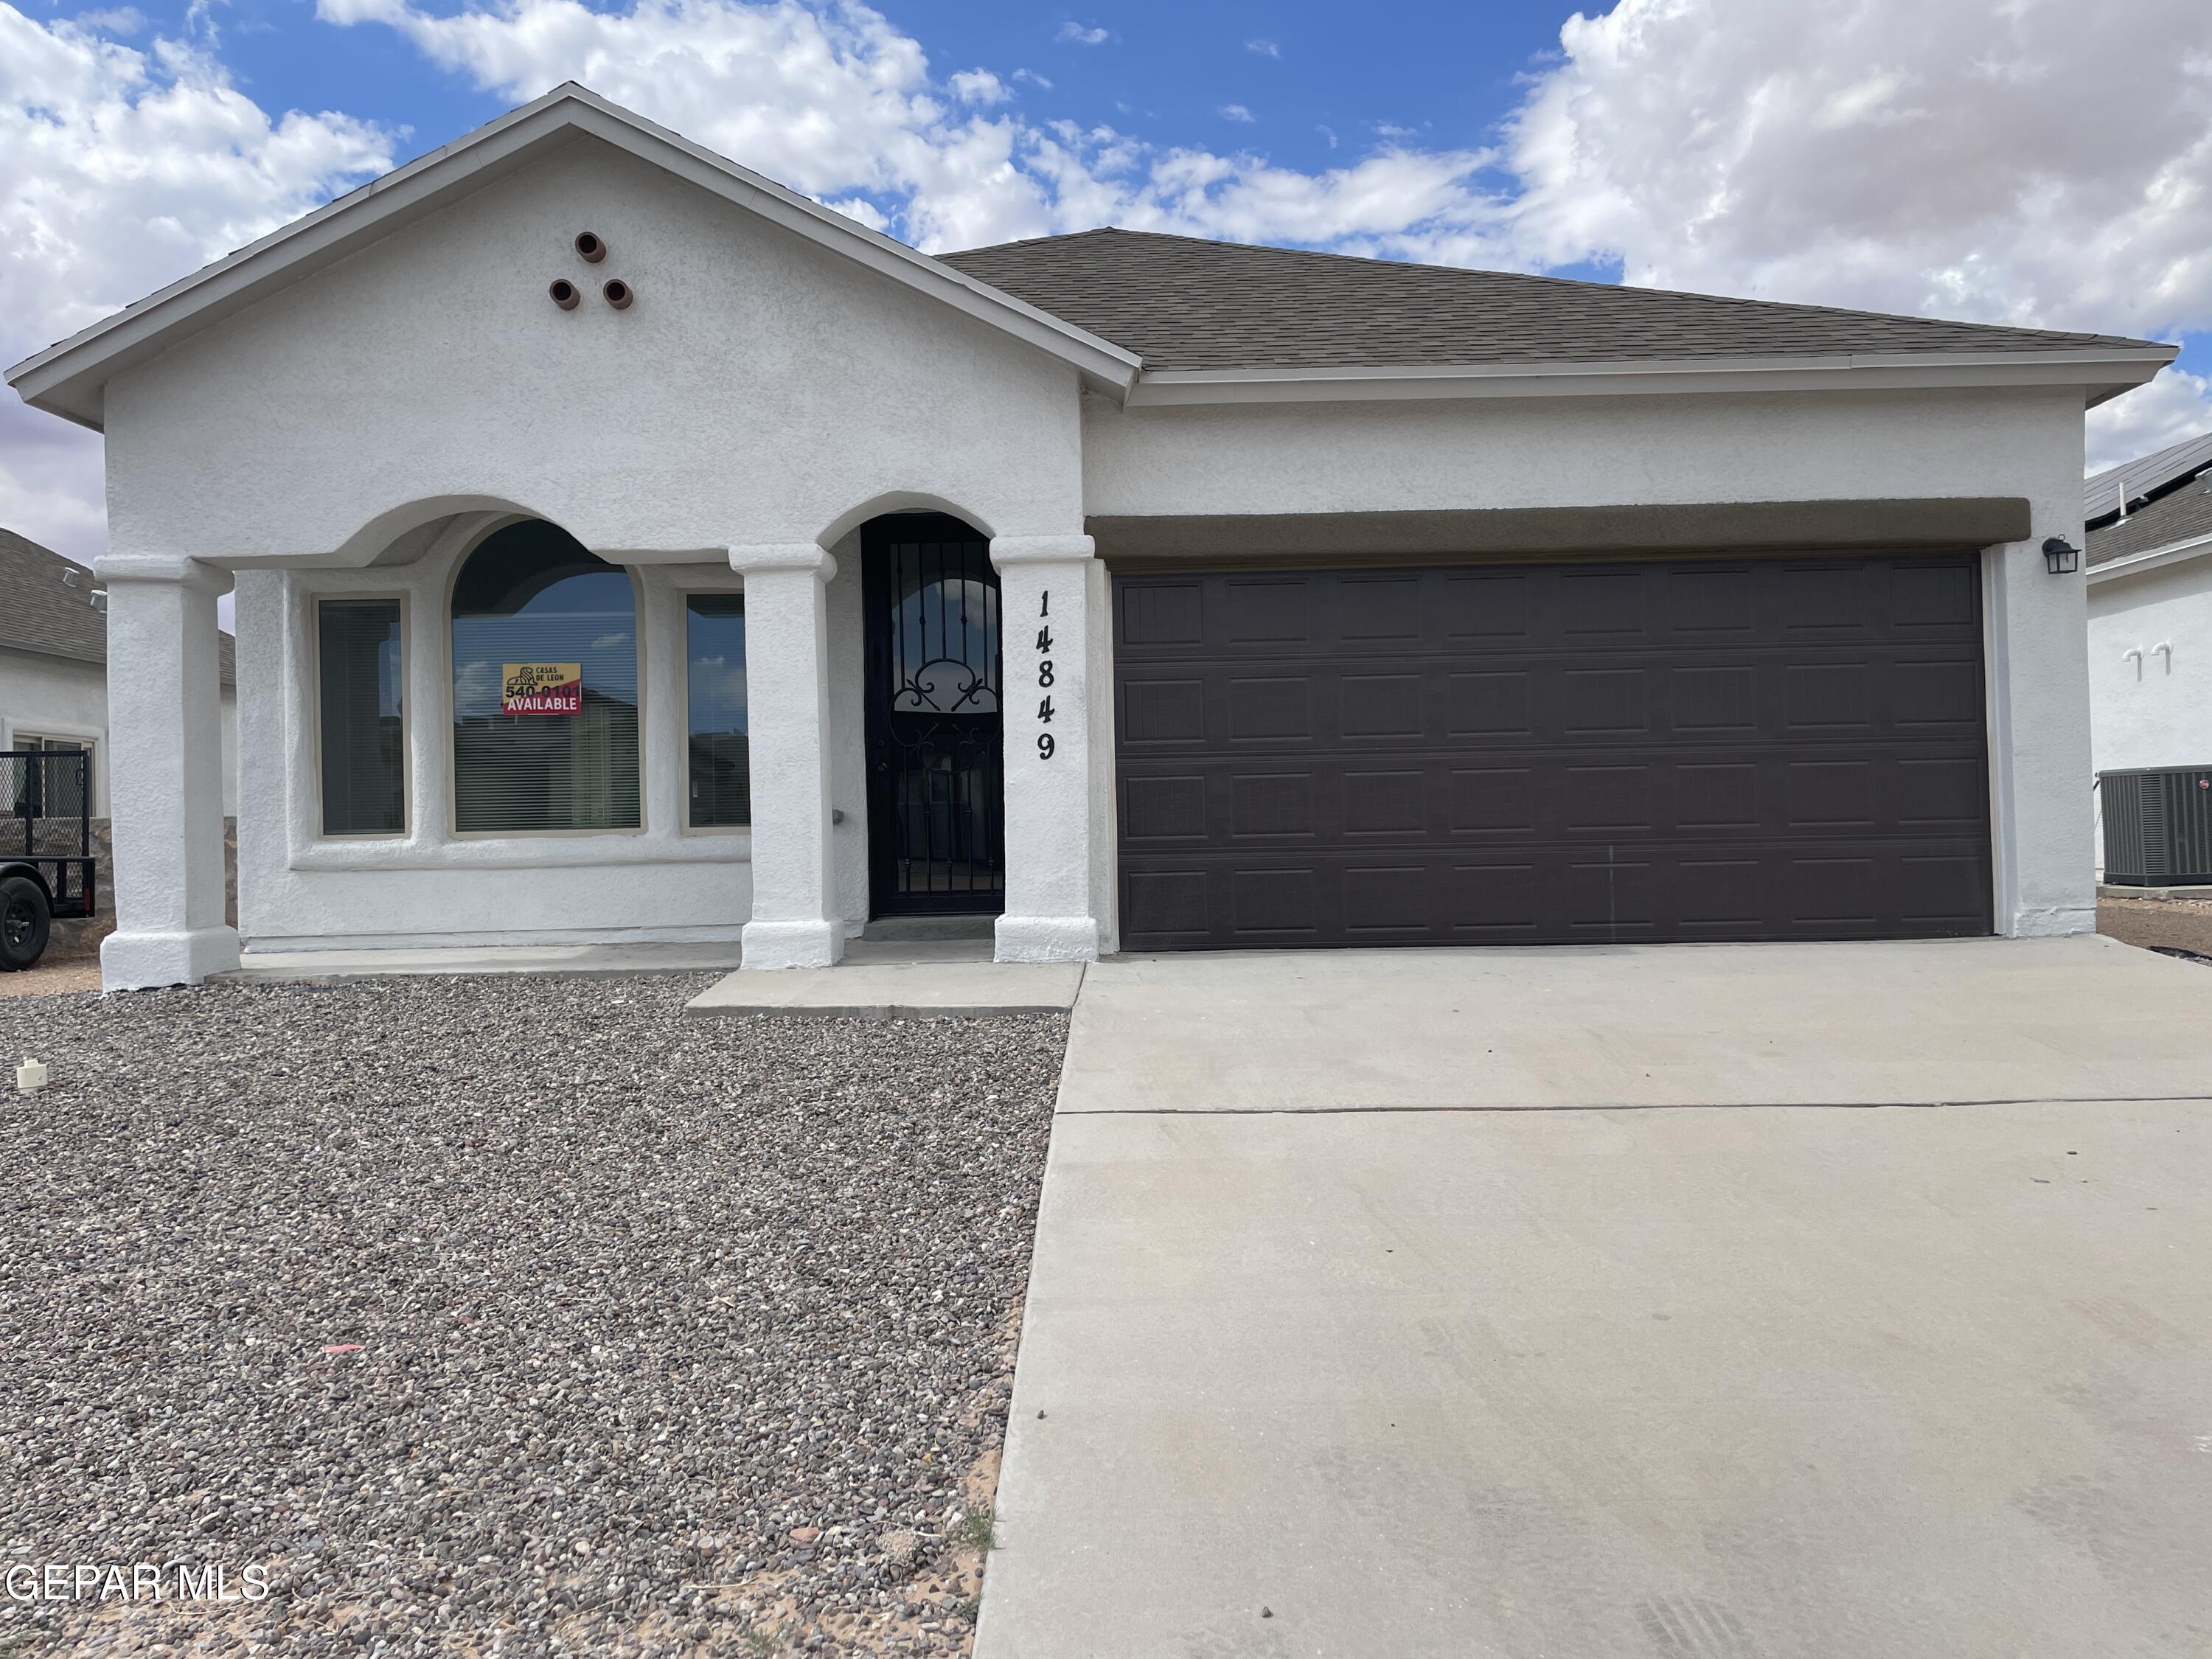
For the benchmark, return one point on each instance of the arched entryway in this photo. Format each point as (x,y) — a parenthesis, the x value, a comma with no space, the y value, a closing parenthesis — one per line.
(933,684)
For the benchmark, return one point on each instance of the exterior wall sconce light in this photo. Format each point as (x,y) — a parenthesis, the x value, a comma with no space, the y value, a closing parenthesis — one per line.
(590,248)
(563,293)
(617,293)
(2060,557)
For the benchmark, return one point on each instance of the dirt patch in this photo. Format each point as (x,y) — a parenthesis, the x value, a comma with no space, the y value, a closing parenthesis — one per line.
(2174,923)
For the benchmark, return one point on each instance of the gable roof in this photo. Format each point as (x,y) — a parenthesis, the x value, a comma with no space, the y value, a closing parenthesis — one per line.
(42,613)
(67,379)
(1155,319)
(1192,308)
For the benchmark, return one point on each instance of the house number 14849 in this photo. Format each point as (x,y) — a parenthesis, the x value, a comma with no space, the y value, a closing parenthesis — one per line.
(1045,743)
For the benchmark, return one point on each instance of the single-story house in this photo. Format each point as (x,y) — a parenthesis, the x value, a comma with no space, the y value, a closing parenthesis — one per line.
(2149,546)
(53,664)
(627,548)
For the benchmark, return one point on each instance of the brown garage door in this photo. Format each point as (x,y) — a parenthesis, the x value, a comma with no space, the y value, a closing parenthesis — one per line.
(1773,748)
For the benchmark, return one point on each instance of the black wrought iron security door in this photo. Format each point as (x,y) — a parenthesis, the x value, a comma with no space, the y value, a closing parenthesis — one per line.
(936,778)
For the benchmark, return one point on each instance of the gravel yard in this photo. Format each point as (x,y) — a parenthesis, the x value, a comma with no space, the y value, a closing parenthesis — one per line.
(510,1316)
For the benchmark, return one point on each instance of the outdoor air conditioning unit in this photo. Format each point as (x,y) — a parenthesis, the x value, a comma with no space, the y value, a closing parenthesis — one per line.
(2158,826)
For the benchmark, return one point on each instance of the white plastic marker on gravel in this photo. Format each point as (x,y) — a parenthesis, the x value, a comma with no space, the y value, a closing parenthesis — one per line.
(500,1310)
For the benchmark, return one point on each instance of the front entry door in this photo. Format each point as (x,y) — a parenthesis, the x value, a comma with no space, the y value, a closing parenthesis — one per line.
(936,780)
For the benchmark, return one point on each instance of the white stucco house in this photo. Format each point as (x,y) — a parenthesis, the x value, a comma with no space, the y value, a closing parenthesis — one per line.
(627,548)
(2149,544)
(53,665)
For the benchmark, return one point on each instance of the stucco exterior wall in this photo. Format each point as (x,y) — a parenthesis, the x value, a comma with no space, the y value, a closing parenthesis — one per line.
(1433,454)
(355,432)
(2153,708)
(760,390)
(53,697)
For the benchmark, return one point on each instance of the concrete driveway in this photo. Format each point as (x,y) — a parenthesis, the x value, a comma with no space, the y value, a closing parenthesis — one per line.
(1330,1351)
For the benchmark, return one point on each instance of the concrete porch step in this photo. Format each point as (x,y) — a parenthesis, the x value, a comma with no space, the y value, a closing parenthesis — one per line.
(909,929)
(590,959)
(922,979)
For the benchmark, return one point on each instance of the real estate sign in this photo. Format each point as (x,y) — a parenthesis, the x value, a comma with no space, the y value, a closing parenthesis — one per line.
(541,688)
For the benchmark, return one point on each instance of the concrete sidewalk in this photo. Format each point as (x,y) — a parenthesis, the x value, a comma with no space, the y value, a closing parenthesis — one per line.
(1351,1380)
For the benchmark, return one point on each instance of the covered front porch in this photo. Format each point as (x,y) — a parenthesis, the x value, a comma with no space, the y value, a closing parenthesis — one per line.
(749,754)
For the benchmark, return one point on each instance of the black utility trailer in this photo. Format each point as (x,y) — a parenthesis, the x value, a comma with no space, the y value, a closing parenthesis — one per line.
(46,868)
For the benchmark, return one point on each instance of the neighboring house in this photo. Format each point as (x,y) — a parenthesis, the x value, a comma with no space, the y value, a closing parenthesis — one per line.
(627,548)
(53,664)
(2150,609)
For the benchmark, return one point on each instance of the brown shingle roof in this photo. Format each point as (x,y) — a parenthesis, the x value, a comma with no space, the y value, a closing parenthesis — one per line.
(1181,303)
(40,612)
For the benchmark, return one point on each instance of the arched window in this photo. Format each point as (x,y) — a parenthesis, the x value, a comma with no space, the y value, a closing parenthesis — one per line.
(545,687)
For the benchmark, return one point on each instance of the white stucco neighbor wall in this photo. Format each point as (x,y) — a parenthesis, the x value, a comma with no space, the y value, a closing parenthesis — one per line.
(1568,452)
(55,697)
(2150,668)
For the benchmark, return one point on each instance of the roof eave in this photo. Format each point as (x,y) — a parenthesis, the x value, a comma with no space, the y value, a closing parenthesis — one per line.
(67,379)
(2150,559)
(2100,373)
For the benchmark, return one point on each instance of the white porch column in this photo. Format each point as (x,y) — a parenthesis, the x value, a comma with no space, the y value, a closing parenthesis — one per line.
(1045,586)
(795,922)
(165,772)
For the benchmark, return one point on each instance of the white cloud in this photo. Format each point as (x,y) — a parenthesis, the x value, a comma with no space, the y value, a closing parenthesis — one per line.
(1076,34)
(1265,48)
(1994,162)
(1236,112)
(123,21)
(2176,405)
(121,169)
(1031,78)
(977,85)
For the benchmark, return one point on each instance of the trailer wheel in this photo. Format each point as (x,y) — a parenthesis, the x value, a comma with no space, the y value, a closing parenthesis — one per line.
(24,918)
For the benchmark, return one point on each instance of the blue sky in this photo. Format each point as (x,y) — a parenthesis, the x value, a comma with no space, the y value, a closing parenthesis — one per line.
(1446,73)
(1940,156)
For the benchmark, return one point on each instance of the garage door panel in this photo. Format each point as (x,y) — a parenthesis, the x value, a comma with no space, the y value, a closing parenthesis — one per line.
(1274,806)
(1718,702)
(1272,611)
(1493,801)
(1425,756)
(1603,703)
(1601,606)
(1489,608)
(1934,597)
(1496,704)
(1386,803)
(1162,613)
(1714,603)
(1380,610)
(1942,692)
(1159,713)
(1163,808)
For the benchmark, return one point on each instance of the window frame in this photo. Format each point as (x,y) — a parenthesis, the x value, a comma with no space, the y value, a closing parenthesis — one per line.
(638,601)
(683,594)
(315,603)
